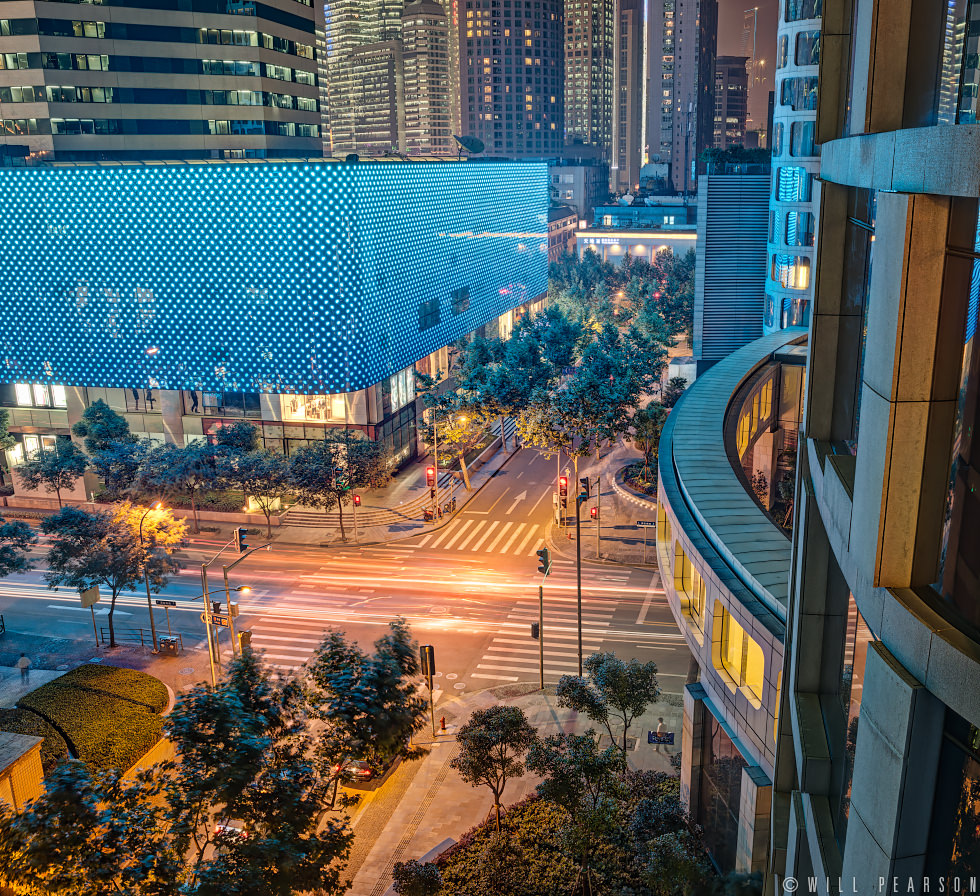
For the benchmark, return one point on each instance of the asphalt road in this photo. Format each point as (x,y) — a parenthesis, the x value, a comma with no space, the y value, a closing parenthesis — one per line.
(470,589)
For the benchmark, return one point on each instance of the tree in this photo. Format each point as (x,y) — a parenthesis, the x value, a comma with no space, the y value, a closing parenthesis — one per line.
(7,441)
(492,745)
(324,474)
(104,549)
(414,878)
(262,476)
(648,424)
(237,438)
(243,756)
(100,426)
(675,389)
(613,690)
(368,704)
(180,472)
(118,464)
(16,539)
(56,468)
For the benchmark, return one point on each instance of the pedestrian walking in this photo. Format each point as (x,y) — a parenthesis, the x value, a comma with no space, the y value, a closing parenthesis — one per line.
(193,402)
(661,731)
(24,664)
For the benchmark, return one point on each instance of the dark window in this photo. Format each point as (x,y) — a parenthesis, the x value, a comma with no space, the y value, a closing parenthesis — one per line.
(720,791)
(460,299)
(429,314)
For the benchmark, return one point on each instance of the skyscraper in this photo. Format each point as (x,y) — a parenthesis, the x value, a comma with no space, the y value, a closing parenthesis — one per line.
(589,74)
(629,96)
(80,83)
(731,101)
(512,76)
(425,57)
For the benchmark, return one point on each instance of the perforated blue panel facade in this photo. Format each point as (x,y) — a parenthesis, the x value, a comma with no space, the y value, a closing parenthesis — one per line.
(282,277)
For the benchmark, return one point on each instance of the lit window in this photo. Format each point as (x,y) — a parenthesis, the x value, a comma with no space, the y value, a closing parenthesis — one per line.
(738,655)
(23,393)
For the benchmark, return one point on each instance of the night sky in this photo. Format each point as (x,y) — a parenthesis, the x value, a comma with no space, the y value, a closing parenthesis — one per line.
(731,16)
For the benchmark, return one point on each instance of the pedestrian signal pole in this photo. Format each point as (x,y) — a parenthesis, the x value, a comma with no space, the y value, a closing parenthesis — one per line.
(544,567)
(427,658)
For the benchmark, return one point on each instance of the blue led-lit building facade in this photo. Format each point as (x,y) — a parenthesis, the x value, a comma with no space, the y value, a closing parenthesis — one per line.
(293,293)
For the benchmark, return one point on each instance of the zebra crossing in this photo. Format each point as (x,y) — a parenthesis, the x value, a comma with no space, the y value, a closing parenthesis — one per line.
(486,536)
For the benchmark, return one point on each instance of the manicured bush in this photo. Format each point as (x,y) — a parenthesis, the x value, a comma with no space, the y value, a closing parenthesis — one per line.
(54,750)
(129,684)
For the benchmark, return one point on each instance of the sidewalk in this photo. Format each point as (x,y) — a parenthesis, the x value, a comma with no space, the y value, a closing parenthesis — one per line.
(403,821)
(620,539)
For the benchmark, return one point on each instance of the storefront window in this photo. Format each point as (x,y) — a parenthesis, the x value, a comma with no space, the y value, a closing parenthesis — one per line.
(40,395)
(741,657)
(720,793)
(402,386)
(315,408)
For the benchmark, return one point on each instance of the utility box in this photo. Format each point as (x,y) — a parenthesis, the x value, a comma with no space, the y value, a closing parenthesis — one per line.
(169,646)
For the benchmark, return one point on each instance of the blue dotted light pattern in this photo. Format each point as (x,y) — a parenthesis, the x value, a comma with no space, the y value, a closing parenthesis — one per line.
(280,277)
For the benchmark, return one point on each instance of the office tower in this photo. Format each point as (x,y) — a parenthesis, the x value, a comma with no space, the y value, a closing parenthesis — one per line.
(79,83)
(731,101)
(590,69)
(512,72)
(376,103)
(796,163)
(883,635)
(425,58)
(730,278)
(629,97)
(682,41)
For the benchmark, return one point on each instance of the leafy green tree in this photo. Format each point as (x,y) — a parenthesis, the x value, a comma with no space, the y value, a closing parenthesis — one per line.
(492,745)
(16,540)
(674,390)
(181,472)
(414,878)
(56,468)
(449,424)
(118,464)
(324,474)
(367,703)
(262,476)
(238,438)
(7,441)
(613,691)
(648,424)
(100,426)
(104,549)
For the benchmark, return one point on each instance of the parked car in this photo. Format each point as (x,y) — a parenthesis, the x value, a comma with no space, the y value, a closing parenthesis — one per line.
(355,770)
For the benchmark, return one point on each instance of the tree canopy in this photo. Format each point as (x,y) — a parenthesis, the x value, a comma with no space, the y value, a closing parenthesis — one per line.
(100,426)
(56,468)
(16,540)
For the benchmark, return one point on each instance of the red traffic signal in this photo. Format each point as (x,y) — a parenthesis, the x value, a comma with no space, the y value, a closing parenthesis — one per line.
(594,513)
(430,476)
(357,500)
(563,486)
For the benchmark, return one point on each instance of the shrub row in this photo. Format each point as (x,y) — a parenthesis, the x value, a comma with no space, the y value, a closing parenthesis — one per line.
(118,682)
(54,750)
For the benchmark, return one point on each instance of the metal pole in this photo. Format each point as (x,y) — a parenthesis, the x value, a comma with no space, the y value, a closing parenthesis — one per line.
(146,580)
(95,631)
(207,620)
(355,522)
(541,631)
(578,572)
(231,620)
(644,544)
(598,513)
(435,466)
(432,708)
(167,611)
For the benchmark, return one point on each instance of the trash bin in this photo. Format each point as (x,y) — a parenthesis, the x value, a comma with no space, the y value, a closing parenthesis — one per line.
(169,646)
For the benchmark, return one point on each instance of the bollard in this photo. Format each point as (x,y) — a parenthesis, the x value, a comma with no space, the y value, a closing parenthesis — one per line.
(442,724)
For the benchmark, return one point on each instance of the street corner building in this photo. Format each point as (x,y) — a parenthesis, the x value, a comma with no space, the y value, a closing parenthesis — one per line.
(298,295)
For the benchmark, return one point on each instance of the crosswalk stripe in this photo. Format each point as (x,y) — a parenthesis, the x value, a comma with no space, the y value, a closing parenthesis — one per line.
(295,639)
(458,534)
(497,540)
(525,641)
(506,548)
(563,615)
(520,548)
(489,532)
(531,668)
(493,652)
(473,534)
(440,536)
(495,677)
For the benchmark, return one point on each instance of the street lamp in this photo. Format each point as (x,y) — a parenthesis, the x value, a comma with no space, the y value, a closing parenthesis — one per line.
(156,505)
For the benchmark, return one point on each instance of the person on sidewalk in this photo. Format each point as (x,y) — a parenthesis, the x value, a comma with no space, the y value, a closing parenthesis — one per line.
(661,731)
(24,664)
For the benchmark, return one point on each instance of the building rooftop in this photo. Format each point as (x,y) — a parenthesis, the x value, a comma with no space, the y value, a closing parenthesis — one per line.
(13,746)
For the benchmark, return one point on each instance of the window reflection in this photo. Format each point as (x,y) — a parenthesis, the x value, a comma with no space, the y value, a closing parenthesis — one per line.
(720,793)
(315,408)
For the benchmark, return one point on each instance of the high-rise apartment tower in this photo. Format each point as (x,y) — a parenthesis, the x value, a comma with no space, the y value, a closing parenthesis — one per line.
(590,73)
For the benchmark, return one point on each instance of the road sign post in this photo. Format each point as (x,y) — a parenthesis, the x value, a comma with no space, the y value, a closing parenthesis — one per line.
(644,525)
(89,598)
(427,658)
(166,604)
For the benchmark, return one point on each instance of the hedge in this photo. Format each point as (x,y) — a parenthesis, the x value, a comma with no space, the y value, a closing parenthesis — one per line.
(108,716)
(54,750)
(118,682)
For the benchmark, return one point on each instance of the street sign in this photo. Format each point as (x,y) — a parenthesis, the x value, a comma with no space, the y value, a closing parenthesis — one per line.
(215,619)
(666,738)
(165,603)
(89,597)
(642,523)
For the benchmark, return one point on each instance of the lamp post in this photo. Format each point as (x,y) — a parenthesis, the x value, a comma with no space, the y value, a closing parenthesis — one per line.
(156,505)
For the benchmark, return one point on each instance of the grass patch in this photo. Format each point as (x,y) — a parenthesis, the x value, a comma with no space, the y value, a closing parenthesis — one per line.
(54,750)
(634,475)
(108,716)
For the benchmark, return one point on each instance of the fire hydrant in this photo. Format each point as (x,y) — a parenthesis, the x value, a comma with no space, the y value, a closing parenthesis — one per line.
(442,724)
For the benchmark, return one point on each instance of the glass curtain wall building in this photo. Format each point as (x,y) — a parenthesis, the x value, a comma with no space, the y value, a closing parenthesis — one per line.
(157,80)
(877,774)
(795,164)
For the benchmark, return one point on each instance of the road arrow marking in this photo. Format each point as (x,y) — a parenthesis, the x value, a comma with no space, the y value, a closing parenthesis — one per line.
(521,497)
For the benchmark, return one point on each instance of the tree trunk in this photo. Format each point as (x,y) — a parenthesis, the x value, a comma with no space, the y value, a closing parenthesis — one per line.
(57,492)
(465,472)
(112,631)
(503,435)
(340,513)
(197,524)
(268,523)
(496,806)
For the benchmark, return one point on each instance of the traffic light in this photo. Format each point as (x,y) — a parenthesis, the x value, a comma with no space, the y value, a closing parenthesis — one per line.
(430,477)
(544,561)
(594,513)
(216,607)
(241,540)
(563,486)
(427,659)
(584,482)
(357,500)
(244,640)
(535,631)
